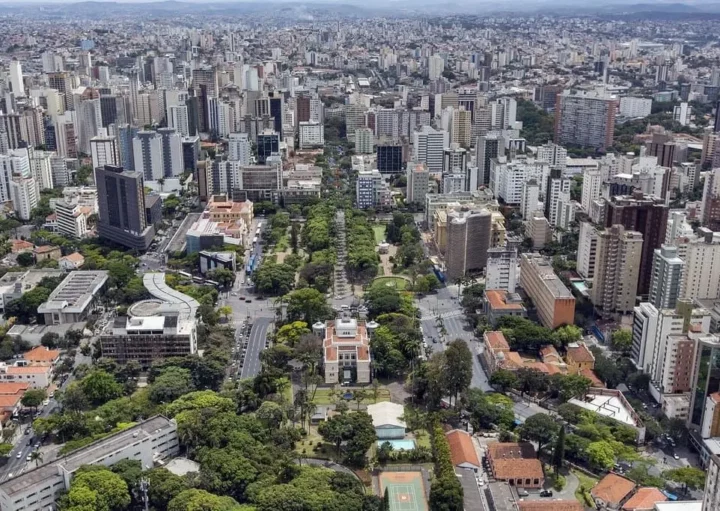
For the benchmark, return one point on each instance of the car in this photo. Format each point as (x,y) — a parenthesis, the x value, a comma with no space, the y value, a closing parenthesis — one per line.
(676,456)
(546,493)
(27,431)
(248,300)
(28,458)
(19,455)
(37,445)
(522,492)
(233,294)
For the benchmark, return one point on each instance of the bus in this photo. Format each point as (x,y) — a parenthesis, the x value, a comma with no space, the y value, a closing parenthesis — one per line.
(198,280)
(257,232)
(250,265)
(259,225)
(255,241)
(212,283)
(185,274)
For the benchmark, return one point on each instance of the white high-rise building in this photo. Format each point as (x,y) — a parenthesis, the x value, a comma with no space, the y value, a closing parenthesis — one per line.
(41,165)
(701,275)
(16,79)
(311,134)
(507,178)
(553,154)
(591,188)
(502,269)
(530,198)
(368,188)
(172,152)
(239,148)
(178,119)
(24,195)
(70,220)
(681,113)
(667,270)
(89,123)
(148,152)
(364,141)
(418,181)
(428,147)
(635,107)
(436,66)
(587,250)
(104,151)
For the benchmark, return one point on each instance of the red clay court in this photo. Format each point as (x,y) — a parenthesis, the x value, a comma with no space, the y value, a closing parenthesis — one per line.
(406,490)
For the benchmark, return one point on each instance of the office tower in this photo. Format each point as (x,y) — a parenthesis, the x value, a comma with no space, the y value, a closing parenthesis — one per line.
(268,142)
(239,148)
(389,157)
(701,274)
(468,240)
(418,182)
(16,79)
(668,151)
(557,195)
(554,302)
(487,148)
(502,269)
(121,207)
(32,127)
(24,195)
(436,66)
(89,123)
(71,221)
(646,215)
(354,119)
(618,256)
(171,152)
(191,153)
(546,96)
(710,206)
(503,113)
(585,119)
(591,188)
(454,160)
(16,163)
(553,154)
(125,135)
(104,151)
(364,141)
(681,114)
(10,126)
(530,198)
(706,384)
(65,137)
(193,115)
(428,147)
(369,189)
(635,107)
(61,82)
(205,83)
(311,134)
(109,110)
(587,250)
(178,119)
(461,128)
(277,110)
(84,63)
(302,109)
(667,271)
(148,155)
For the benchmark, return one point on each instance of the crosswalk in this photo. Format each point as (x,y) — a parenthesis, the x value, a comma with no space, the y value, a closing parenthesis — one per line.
(427,314)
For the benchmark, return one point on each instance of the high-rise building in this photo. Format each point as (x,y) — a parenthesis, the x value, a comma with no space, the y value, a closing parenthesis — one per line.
(302,109)
(354,119)
(585,119)
(148,154)
(389,157)
(646,215)
(701,274)
(667,271)
(24,195)
(487,148)
(553,154)
(71,221)
(239,148)
(591,188)
(191,153)
(364,141)
(121,207)
(268,142)
(555,303)
(62,83)
(311,134)
(89,123)
(205,83)
(616,270)
(530,198)
(104,151)
(557,194)
(469,236)
(125,135)
(418,182)
(710,206)
(428,147)
(502,269)
(16,79)
(436,66)
(635,107)
(172,158)
(587,250)
(461,128)
(178,119)
(370,189)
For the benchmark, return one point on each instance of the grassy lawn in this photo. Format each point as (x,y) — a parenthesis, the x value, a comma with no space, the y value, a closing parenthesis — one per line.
(283,244)
(307,446)
(586,482)
(379,231)
(422,439)
(322,397)
(397,282)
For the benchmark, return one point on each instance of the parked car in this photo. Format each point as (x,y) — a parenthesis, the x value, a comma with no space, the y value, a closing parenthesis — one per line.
(522,492)
(546,493)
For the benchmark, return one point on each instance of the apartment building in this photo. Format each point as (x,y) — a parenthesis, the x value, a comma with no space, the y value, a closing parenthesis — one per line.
(587,250)
(701,273)
(667,273)
(616,271)
(555,303)
(585,118)
(311,134)
(428,147)
(418,182)
(469,235)
(502,269)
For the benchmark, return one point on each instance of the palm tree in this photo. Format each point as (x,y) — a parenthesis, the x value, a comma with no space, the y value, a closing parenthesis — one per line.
(37,457)
(282,384)
(359,396)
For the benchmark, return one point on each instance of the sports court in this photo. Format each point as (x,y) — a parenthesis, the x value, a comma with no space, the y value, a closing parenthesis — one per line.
(405,490)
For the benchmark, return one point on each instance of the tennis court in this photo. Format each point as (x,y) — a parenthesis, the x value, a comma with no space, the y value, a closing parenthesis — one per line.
(405,490)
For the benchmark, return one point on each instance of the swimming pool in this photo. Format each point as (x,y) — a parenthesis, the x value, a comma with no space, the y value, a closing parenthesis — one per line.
(407,445)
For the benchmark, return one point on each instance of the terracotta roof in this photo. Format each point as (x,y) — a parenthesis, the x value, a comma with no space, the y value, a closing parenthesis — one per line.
(590,375)
(462,449)
(513,360)
(543,367)
(579,352)
(41,354)
(497,299)
(10,401)
(46,248)
(51,217)
(715,396)
(644,500)
(549,351)
(11,388)
(505,469)
(496,340)
(21,245)
(612,489)
(511,450)
(331,354)
(555,505)
(363,353)
(37,369)
(75,257)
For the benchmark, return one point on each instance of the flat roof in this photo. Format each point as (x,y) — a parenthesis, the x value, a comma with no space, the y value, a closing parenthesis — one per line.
(86,455)
(75,293)
(156,286)
(608,406)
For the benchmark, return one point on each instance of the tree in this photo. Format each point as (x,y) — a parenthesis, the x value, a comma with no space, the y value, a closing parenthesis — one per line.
(531,381)
(223,276)
(274,279)
(291,333)
(503,379)
(73,398)
(33,398)
(5,449)
(100,387)
(200,500)
(96,488)
(540,428)
(355,430)
(170,385)
(37,457)
(693,478)
(164,486)
(307,305)
(25,259)
(458,368)
(225,311)
(50,340)
(601,455)
(382,299)
(558,454)
(446,494)
(621,340)
(565,335)
(270,414)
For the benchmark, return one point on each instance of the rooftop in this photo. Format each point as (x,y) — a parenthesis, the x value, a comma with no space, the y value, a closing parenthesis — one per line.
(608,405)
(543,269)
(502,300)
(41,354)
(555,505)
(511,450)
(612,489)
(156,286)
(644,500)
(462,449)
(518,468)
(386,414)
(75,293)
(496,340)
(579,352)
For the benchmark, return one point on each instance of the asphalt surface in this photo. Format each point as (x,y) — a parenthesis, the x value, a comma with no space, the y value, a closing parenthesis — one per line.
(257,341)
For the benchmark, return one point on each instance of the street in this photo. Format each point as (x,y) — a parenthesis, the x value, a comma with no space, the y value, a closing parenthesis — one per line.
(256,343)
